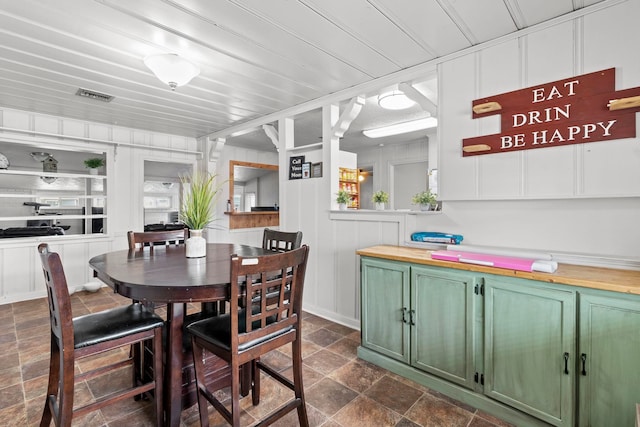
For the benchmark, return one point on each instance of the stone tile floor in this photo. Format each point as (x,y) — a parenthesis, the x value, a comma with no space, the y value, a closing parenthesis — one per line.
(341,390)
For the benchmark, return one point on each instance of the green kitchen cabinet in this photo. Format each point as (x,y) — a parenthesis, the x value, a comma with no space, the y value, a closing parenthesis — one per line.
(529,348)
(385,307)
(531,352)
(442,323)
(609,360)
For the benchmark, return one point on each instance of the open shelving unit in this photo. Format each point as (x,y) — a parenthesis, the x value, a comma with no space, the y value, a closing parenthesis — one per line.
(348,181)
(71,198)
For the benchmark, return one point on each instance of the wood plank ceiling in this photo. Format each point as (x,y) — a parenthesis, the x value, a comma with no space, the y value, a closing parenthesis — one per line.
(256,57)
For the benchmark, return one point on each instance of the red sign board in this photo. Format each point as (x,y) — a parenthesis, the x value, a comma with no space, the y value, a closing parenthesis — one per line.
(580,109)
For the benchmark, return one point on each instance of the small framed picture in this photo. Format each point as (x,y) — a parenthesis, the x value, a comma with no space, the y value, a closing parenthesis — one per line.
(306,170)
(316,170)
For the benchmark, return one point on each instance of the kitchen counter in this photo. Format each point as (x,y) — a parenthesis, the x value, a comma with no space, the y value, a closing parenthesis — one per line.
(607,279)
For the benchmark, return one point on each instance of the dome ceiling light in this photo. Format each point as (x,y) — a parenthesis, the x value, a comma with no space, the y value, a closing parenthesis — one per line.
(395,100)
(171,69)
(400,128)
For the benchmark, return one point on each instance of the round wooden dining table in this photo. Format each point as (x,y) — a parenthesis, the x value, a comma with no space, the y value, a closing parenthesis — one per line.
(163,274)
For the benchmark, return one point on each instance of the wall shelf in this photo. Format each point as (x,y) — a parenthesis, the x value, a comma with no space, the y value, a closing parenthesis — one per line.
(75,199)
(348,181)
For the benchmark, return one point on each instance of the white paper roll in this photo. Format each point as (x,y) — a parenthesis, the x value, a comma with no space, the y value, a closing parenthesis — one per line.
(545,266)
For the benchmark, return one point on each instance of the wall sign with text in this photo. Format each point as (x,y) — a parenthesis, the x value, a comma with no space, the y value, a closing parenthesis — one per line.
(580,109)
(295,167)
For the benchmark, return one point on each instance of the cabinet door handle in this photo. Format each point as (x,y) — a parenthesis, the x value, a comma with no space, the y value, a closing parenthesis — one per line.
(566,363)
(404,315)
(411,313)
(583,358)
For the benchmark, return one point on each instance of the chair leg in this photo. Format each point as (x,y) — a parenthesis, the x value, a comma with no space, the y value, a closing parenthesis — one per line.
(67,387)
(52,387)
(297,382)
(255,382)
(158,370)
(198,367)
(235,393)
(136,354)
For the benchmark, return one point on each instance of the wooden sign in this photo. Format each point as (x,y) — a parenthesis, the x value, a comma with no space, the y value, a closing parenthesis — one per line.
(580,109)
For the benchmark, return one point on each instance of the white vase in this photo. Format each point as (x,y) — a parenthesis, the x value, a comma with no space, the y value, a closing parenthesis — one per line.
(342,206)
(425,207)
(196,245)
(379,206)
(93,171)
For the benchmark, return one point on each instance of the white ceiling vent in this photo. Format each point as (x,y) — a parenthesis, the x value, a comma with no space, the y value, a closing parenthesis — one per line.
(94,95)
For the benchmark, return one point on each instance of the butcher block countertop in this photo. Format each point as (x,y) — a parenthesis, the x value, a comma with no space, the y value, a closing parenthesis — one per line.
(606,279)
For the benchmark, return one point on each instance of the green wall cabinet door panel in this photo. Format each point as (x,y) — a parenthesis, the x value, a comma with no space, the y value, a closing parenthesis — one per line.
(385,307)
(609,375)
(529,348)
(442,317)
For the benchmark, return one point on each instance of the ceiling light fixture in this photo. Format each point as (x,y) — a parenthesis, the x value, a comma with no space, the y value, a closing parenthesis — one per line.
(49,179)
(399,128)
(395,100)
(40,156)
(171,69)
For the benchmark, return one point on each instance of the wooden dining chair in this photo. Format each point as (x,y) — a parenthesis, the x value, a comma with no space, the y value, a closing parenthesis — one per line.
(242,335)
(148,240)
(281,241)
(138,239)
(75,338)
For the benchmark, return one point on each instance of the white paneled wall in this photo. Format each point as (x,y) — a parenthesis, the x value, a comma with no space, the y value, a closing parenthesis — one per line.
(20,270)
(564,200)
(580,199)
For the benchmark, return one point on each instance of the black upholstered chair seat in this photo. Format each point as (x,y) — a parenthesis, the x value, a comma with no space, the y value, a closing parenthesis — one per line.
(217,330)
(112,324)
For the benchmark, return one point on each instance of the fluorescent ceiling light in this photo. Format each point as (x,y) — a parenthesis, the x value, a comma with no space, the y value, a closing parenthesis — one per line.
(395,100)
(399,128)
(171,69)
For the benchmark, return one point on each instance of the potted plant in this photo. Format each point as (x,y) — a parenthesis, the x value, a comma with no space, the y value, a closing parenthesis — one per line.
(426,199)
(198,210)
(343,199)
(380,198)
(93,164)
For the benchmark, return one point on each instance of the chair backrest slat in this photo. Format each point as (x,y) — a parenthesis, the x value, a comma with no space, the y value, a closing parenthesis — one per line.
(155,238)
(281,241)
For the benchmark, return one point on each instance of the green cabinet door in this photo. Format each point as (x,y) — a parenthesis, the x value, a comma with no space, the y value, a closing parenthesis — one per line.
(442,315)
(529,353)
(609,375)
(385,307)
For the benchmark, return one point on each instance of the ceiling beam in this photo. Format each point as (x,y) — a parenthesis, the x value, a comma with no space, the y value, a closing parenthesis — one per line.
(215,151)
(349,114)
(416,96)
(272,133)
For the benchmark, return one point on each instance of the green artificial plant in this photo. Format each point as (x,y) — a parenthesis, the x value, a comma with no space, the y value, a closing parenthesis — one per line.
(343,197)
(199,201)
(94,162)
(424,198)
(380,197)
